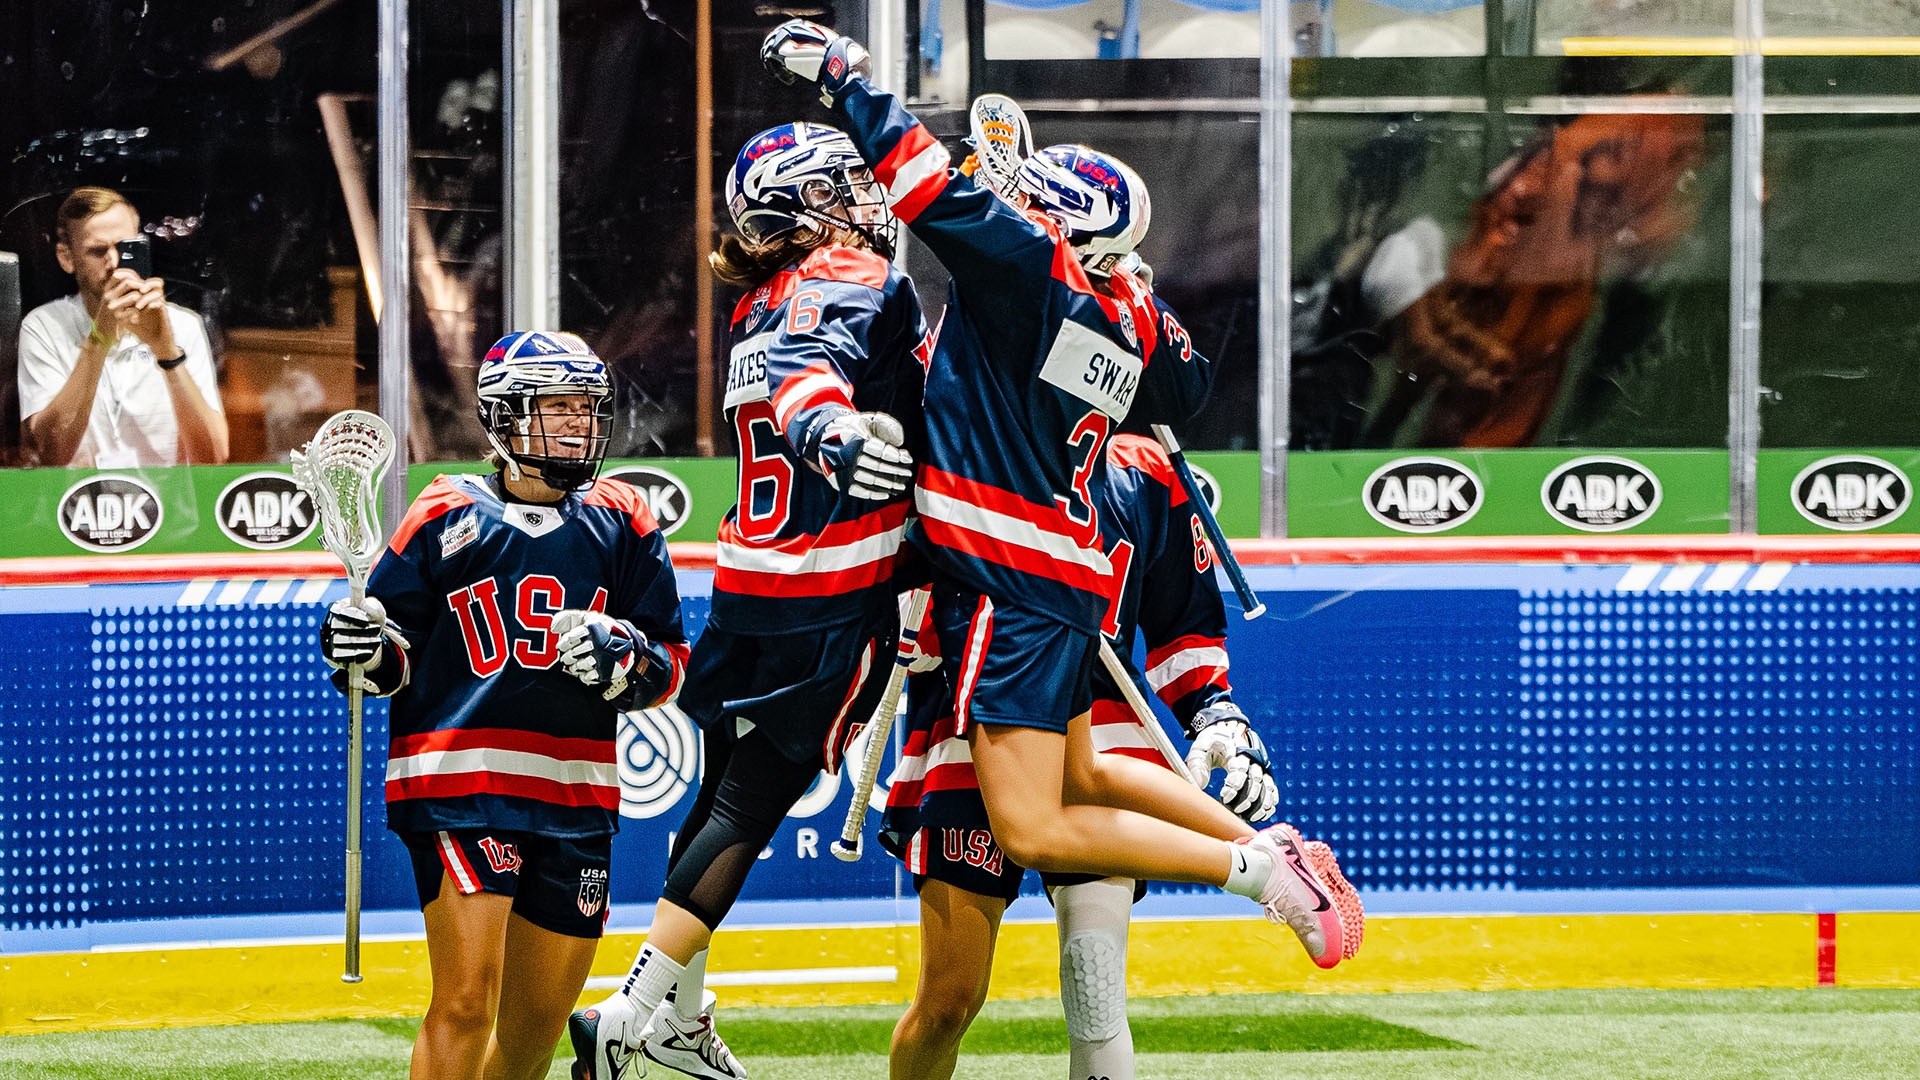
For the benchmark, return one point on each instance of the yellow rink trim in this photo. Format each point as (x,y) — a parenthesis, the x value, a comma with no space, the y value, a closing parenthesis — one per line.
(166,987)
(1730,46)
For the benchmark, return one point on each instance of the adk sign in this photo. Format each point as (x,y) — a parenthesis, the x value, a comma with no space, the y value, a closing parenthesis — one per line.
(265,510)
(666,494)
(1422,495)
(1601,493)
(110,512)
(1851,492)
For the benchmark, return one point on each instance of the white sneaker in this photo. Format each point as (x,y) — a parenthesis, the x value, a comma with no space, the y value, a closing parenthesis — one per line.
(606,1039)
(1295,895)
(691,1046)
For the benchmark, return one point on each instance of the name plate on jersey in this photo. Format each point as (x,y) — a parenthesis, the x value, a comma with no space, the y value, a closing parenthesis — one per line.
(747,371)
(1093,368)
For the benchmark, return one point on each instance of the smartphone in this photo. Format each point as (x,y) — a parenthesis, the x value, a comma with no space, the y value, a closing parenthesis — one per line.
(136,254)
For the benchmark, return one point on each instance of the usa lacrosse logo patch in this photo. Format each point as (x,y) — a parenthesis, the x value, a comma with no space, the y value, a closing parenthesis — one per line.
(593,891)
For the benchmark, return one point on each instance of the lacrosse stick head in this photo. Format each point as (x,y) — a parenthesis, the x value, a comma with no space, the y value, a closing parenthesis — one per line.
(1001,140)
(340,470)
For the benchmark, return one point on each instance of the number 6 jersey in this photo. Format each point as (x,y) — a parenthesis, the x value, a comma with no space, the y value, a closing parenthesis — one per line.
(840,329)
(488,730)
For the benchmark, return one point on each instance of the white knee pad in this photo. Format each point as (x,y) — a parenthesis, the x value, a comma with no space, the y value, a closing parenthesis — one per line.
(1093,957)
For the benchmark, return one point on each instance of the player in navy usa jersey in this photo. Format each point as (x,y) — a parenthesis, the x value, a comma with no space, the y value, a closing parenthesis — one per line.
(1048,344)
(828,348)
(510,620)
(936,823)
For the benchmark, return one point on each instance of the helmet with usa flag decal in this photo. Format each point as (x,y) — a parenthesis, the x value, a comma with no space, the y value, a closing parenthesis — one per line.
(546,403)
(1097,199)
(801,175)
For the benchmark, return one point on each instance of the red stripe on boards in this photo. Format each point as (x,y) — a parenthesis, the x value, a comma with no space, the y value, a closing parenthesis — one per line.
(1827,947)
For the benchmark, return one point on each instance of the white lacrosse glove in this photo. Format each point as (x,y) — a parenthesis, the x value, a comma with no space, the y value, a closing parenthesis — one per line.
(353,633)
(864,455)
(598,649)
(1226,741)
(798,51)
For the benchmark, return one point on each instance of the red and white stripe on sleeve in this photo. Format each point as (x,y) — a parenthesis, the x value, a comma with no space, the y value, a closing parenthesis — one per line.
(817,384)
(914,172)
(1186,665)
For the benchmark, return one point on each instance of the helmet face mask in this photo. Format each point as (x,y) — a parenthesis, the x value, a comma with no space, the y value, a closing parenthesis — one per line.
(546,403)
(801,175)
(1099,202)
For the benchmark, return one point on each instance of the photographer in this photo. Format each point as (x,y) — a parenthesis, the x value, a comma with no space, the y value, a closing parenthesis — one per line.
(114,376)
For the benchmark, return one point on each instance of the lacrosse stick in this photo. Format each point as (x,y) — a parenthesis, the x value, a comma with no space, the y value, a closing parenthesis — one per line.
(1250,604)
(1001,140)
(340,471)
(847,848)
(1157,735)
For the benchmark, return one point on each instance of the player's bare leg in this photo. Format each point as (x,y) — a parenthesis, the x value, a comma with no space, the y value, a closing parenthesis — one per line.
(466,951)
(1022,781)
(1127,783)
(957,934)
(548,971)
(1022,777)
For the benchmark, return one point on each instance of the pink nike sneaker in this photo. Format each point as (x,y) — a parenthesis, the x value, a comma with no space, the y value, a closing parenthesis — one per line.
(1295,895)
(1353,917)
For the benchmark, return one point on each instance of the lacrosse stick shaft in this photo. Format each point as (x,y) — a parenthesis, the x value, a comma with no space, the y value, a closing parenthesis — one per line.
(355,707)
(879,730)
(1251,607)
(1123,678)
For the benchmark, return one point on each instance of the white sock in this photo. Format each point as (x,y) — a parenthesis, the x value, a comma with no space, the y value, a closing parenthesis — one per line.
(653,974)
(1248,870)
(692,987)
(1093,977)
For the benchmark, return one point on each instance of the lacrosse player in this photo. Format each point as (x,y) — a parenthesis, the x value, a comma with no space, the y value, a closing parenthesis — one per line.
(823,392)
(936,823)
(511,619)
(1048,345)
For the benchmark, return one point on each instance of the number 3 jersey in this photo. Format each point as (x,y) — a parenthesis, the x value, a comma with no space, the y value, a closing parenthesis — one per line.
(841,329)
(488,730)
(1034,370)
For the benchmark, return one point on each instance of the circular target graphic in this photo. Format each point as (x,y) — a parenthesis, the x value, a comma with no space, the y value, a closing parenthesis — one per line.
(658,753)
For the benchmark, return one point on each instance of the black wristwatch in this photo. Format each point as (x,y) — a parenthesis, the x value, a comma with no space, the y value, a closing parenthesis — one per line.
(169,365)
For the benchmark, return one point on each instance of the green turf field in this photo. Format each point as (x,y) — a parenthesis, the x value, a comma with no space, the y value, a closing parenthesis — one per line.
(1559,1034)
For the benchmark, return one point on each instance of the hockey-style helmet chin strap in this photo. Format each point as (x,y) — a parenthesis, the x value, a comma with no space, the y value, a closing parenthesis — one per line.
(544,466)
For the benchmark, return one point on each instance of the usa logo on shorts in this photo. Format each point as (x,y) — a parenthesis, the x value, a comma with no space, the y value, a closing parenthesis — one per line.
(593,891)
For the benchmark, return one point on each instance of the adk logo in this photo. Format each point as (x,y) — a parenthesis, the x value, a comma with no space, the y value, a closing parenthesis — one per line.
(265,510)
(658,756)
(666,494)
(1851,492)
(110,512)
(1601,493)
(1422,495)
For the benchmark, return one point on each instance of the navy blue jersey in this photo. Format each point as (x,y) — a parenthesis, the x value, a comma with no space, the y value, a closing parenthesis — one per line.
(841,329)
(1034,369)
(1169,595)
(1161,552)
(487,730)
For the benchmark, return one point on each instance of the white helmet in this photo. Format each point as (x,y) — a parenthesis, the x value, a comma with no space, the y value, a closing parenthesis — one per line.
(525,366)
(800,174)
(1100,203)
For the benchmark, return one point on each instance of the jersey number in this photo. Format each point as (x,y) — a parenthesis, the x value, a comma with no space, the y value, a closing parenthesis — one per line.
(1121,557)
(536,600)
(766,473)
(1084,446)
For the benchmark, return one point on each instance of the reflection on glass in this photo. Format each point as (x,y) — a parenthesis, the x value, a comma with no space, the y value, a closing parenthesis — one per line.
(1840,315)
(1402,28)
(1575,296)
(207,124)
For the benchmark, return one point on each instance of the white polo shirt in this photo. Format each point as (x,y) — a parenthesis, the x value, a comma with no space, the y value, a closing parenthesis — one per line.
(133,423)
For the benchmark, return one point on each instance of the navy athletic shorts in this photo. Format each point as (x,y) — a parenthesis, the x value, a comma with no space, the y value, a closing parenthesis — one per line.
(951,842)
(1012,665)
(808,693)
(556,884)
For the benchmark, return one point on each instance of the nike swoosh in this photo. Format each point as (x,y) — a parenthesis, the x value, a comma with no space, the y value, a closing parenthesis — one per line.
(1239,862)
(1293,860)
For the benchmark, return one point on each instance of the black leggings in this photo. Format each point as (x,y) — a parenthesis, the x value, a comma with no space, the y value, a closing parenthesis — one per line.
(748,790)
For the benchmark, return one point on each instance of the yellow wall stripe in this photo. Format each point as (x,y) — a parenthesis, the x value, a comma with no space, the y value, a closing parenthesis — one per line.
(165,987)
